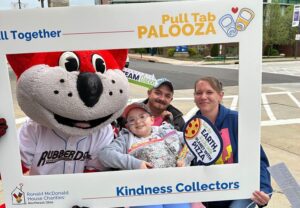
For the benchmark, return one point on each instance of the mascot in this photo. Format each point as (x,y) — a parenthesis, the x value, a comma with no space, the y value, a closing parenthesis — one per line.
(71,99)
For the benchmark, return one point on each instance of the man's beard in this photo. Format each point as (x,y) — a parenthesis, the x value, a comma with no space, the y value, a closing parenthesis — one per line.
(162,105)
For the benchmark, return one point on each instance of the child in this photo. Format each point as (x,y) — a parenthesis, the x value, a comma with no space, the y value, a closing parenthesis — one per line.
(143,146)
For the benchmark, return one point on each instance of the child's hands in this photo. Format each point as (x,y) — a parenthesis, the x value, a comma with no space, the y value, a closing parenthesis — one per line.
(3,126)
(146,165)
(180,163)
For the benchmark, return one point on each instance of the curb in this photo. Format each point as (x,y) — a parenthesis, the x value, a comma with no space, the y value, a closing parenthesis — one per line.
(149,59)
(156,59)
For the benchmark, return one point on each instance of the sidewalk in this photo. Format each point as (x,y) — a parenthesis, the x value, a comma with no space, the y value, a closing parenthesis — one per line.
(149,58)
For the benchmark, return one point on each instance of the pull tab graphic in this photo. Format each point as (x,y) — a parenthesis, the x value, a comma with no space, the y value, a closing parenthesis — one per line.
(244,18)
(228,25)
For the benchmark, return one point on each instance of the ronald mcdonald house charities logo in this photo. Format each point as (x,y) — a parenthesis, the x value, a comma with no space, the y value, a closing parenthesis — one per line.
(18,196)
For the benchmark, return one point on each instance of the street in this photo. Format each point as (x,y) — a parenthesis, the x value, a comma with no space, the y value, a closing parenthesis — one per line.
(184,76)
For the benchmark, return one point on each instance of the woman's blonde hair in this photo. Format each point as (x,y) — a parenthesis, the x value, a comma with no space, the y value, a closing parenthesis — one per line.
(214,83)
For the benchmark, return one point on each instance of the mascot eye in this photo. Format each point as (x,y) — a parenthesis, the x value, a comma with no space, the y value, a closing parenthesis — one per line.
(69,61)
(99,63)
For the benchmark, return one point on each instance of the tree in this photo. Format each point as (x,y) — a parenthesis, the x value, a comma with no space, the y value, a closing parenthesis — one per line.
(140,51)
(276,30)
(215,50)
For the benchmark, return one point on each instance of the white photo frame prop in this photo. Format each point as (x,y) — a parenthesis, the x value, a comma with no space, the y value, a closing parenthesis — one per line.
(137,26)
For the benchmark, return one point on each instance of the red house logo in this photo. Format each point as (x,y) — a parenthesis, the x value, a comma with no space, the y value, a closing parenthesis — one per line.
(18,196)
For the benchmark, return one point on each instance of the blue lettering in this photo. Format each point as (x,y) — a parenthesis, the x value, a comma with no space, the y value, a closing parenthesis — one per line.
(179,187)
(156,190)
(236,185)
(28,36)
(204,187)
(224,185)
(3,35)
(211,186)
(136,77)
(169,189)
(14,34)
(120,191)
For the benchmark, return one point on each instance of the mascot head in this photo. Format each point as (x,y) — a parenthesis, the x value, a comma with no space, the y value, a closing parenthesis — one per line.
(76,92)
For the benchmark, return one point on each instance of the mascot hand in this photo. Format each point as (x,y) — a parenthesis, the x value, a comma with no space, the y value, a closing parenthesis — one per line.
(3,126)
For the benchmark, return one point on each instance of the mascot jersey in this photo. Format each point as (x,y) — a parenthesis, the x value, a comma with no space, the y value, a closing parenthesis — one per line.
(60,153)
(71,98)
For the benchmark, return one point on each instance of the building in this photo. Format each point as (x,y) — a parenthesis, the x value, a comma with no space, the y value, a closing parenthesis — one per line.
(283,1)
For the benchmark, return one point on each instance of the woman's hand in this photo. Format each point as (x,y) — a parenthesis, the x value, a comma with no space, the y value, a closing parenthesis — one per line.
(260,198)
(3,126)
(146,165)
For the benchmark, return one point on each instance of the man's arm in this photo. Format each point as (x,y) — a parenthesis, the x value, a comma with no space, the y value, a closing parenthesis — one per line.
(179,123)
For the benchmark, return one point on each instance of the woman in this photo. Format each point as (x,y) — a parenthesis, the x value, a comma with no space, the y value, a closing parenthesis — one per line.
(208,96)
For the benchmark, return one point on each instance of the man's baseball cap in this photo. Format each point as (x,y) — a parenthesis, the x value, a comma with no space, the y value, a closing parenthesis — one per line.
(134,106)
(163,81)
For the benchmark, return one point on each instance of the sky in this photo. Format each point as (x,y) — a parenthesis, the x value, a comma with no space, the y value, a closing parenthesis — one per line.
(7,4)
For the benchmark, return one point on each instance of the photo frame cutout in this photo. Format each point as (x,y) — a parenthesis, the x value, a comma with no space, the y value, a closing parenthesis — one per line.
(101,189)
